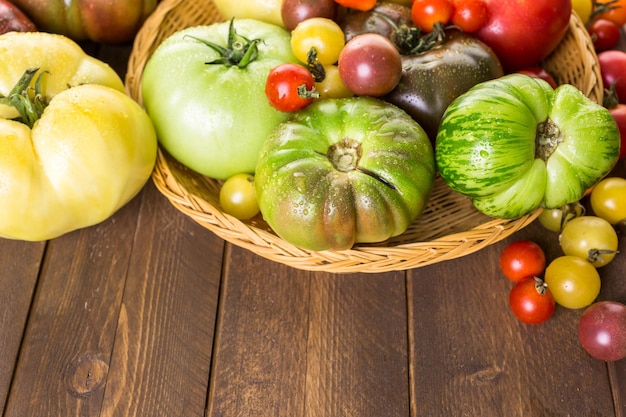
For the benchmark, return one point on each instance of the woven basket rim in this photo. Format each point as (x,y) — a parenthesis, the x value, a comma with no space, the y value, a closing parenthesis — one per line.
(168,174)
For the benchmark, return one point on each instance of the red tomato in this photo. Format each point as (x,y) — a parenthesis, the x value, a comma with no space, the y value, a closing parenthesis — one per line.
(613,70)
(427,13)
(531,301)
(522,259)
(469,15)
(290,87)
(524,32)
(539,72)
(604,33)
(616,12)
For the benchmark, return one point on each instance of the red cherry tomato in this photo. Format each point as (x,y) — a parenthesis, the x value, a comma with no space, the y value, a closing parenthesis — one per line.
(290,87)
(427,13)
(469,15)
(531,301)
(522,259)
(604,34)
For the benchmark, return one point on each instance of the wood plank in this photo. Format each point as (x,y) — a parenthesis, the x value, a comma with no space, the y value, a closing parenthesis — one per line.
(18,277)
(260,343)
(357,358)
(163,344)
(296,343)
(478,359)
(65,354)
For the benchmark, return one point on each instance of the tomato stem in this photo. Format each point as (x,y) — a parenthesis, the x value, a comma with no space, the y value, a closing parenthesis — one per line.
(239,52)
(540,285)
(547,139)
(28,101)
(345,154)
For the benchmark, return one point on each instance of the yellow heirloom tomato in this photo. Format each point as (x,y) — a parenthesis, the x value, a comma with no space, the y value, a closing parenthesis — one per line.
(74,147)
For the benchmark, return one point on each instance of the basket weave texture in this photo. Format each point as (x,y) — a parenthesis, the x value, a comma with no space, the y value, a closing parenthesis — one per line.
(449,227)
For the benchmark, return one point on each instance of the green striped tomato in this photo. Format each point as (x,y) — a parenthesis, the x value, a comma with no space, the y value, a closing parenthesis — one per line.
(514,144)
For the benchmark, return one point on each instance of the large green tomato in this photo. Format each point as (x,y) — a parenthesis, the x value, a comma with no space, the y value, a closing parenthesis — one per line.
(514,144)
(74,147)
(344,171)
(210,111)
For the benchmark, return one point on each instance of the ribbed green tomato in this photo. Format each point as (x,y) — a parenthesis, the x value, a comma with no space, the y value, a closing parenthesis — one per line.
(343,171)
(514,144)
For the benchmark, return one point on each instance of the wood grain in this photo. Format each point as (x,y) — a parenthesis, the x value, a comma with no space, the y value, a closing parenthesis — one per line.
(20,262)
(67,346)
(163,341)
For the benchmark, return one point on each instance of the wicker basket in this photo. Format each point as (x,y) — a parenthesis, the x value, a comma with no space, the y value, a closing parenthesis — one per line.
(450,227)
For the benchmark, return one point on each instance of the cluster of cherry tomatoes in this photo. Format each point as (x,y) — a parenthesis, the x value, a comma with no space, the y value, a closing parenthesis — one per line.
(572,280)
(366,65)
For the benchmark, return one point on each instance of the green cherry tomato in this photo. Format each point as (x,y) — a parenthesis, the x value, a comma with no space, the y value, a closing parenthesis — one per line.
(574,282)
(608,199)
(555,219)
(591,238)
(320,33)
(238,196)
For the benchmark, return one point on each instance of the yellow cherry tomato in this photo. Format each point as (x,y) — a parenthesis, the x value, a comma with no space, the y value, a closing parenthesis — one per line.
(332,86)
(320,33)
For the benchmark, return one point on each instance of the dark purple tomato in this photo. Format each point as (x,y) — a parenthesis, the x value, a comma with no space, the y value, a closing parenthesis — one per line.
(431,80)
(602,330)
(295,11)
(385,19)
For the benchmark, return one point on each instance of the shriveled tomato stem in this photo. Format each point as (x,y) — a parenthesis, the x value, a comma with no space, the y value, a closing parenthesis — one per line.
(345,154)
(547,139)
(29,102)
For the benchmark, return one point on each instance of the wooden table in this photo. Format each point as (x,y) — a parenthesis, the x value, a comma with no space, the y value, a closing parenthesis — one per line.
(148,314)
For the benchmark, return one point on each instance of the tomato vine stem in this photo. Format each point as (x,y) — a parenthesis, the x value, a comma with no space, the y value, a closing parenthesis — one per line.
(239,51)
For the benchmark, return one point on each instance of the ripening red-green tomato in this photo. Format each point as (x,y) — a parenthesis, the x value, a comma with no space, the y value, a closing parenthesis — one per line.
(591,238)
(370,65)
(574,282)
(238,196)
(320,33)
(608,199)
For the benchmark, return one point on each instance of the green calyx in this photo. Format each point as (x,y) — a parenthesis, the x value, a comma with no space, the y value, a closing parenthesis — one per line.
(239,52)
(28,101)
